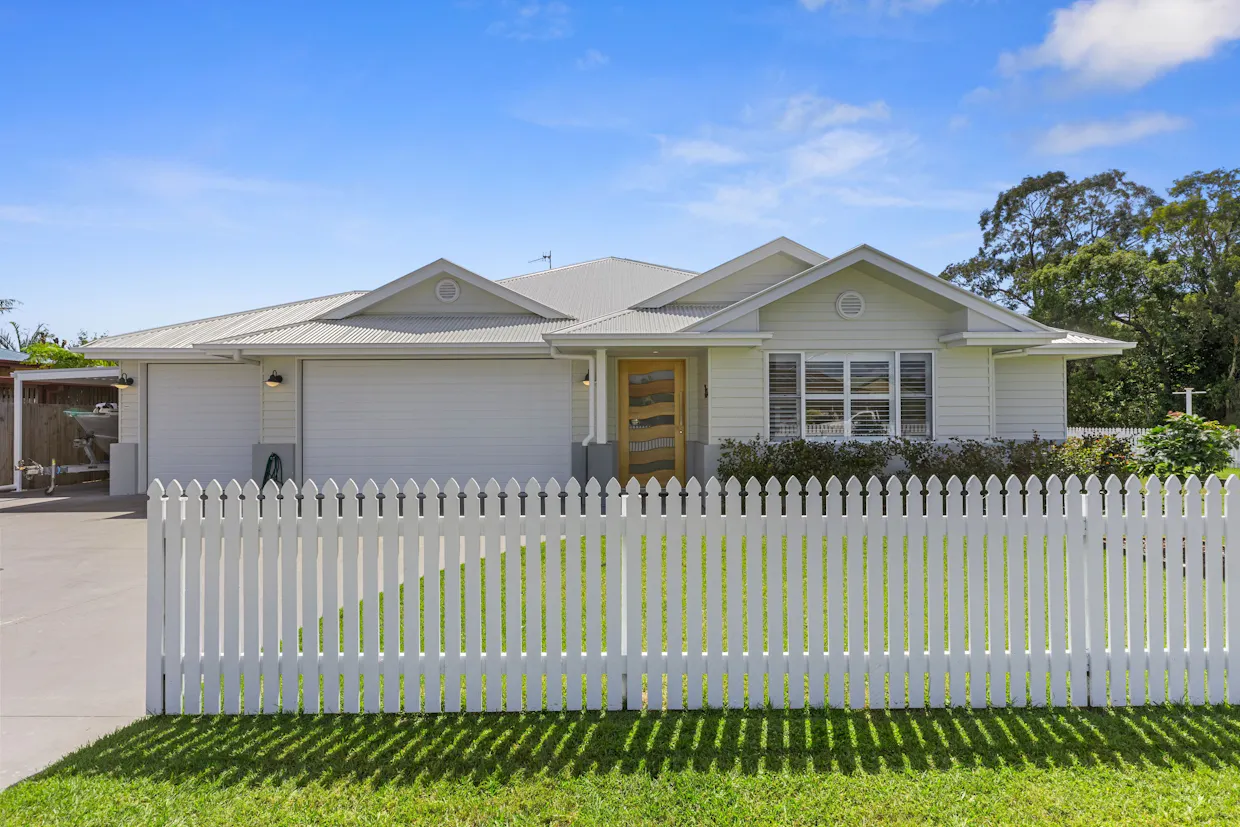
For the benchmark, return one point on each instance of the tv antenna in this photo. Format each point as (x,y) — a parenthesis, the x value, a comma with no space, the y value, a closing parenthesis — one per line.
(544,257)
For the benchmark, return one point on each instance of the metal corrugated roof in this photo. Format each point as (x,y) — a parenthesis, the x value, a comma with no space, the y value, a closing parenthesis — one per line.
(667,319)
(596,288)
(187,334)
(12,355)
(1073,337)
(404,330)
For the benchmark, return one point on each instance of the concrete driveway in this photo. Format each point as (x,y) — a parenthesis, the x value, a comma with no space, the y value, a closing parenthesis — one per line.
(72,605)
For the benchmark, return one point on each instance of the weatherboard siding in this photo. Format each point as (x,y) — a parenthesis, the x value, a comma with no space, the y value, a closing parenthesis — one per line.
(893,318)
(1030,397)
(420,298)
(962,378)
(744,283)
(737,389)
(129,405)
(279,410)
(580,395)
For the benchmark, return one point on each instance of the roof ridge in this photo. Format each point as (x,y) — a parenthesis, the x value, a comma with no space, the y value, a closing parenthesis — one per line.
(249,312)
(659,266)
(552,269)
(592,261)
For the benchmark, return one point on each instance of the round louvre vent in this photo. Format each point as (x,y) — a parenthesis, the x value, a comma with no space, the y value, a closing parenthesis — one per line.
(447,290)
(850,305)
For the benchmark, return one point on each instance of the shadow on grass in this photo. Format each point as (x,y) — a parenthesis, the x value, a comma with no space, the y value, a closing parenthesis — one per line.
(491,748)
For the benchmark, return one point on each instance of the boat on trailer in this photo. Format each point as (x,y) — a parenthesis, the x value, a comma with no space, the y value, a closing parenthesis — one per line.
(100,429)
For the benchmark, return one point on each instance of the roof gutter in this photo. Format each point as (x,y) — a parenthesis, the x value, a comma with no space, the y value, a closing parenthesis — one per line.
(555,354)
(658,339)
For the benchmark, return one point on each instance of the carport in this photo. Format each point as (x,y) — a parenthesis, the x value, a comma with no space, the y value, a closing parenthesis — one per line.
(96,376)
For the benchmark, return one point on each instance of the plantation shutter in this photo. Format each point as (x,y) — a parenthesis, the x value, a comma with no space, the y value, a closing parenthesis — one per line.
(824,397)
(916,388)
(870,396)
(784,395)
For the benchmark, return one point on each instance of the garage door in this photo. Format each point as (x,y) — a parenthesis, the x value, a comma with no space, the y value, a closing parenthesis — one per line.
(436,419)
(202,421)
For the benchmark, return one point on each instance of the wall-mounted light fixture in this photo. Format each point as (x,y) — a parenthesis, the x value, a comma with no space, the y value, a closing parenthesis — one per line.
(274,380)
(123,381)
(586,381)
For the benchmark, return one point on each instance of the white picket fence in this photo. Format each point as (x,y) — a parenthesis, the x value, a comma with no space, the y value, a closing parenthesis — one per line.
(886,595)
(1132,436)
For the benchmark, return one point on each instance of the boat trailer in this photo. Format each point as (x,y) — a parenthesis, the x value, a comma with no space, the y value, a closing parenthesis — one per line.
(100,428)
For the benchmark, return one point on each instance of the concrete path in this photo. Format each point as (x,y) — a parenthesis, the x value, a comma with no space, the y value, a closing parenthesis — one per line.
(72,605)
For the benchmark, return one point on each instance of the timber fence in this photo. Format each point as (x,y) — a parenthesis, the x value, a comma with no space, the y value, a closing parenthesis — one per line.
(564,597)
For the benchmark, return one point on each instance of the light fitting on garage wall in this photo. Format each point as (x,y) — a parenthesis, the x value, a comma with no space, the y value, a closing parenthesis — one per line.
(123,381)
(586,381)
(274,380)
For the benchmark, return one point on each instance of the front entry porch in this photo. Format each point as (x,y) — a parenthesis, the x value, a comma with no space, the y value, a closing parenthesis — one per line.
(651,419)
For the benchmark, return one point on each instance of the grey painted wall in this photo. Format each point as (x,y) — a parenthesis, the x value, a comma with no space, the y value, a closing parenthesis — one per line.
(602,462)
(123,469)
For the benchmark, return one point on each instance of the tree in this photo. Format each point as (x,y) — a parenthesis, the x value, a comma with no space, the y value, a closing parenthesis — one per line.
(1198,233)
(1042,221)
(1107,256)
(53,355)
(22,338)
(7,304)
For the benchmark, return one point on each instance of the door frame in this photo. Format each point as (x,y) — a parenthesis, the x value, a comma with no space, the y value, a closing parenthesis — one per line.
(679,367)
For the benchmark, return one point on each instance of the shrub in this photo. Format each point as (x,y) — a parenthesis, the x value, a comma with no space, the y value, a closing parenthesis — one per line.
(802,459)
(1186,445)
(1101,455)
(962,458)
(958,458)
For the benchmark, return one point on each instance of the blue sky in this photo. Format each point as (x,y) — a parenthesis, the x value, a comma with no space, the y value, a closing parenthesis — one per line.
(167,161)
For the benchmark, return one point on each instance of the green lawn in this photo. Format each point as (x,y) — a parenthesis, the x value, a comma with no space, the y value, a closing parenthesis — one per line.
(1158,765)
(1165,764)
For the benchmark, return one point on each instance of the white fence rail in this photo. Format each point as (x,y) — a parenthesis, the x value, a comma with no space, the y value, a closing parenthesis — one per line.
(882,595)
(1132,436)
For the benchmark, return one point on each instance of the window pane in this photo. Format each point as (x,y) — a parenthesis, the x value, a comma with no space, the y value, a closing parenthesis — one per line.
(914,417)
(783,373)
(784,399)
(915,374)
(825,378)
(824,418)
(785,418)
(916,385)
(871,377)
(871,417)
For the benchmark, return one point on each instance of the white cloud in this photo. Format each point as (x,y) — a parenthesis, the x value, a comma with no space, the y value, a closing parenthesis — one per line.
(534,21)
(703,151)
(958,200)
(979,95)
(592,59)
(1127,43)
(743,204)
(1070,138)
(884,6)
(808,111)
(179,181)
(958,123)
(783,158)
(835,153)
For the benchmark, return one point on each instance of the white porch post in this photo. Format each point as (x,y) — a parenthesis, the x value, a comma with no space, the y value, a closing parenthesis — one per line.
(600,367)
(18,393)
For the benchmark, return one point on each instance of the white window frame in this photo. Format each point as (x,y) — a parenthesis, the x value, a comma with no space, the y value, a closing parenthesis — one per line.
(847,357)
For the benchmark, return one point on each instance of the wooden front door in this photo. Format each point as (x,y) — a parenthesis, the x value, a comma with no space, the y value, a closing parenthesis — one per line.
(652,419)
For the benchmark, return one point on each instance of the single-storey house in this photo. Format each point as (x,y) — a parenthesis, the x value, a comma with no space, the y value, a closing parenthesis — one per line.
(611,367)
